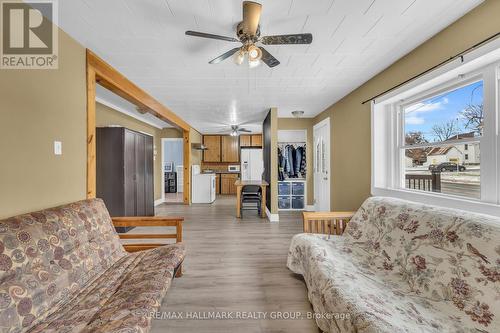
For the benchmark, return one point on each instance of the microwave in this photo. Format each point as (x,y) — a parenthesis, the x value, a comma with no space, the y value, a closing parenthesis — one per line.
(233,168)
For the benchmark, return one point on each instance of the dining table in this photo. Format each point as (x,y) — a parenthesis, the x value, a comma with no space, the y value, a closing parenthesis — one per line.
(239,187)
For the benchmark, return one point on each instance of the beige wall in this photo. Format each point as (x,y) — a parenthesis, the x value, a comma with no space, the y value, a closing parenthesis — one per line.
(196,155)
(350,120)
(106,116)
(38,107)
(303,124)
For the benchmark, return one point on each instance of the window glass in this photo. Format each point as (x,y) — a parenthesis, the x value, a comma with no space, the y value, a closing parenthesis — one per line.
(444,169)
(456,114)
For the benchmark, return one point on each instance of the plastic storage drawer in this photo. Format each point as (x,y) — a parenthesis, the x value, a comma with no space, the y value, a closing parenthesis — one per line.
(297,188)
(284,202)
(298,202)
(284,188)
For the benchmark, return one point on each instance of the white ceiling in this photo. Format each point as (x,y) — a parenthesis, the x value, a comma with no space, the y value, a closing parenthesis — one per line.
(353,41)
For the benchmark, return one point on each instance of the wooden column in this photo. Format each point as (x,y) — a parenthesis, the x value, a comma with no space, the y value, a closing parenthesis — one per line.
(91,142)
(187,167)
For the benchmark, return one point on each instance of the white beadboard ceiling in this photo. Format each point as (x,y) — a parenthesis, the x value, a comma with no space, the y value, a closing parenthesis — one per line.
(353,41)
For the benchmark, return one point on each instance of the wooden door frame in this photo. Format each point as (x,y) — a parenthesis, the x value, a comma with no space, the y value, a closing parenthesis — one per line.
(99,72)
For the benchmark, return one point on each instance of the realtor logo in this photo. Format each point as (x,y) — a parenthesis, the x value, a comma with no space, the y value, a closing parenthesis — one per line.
(29,35)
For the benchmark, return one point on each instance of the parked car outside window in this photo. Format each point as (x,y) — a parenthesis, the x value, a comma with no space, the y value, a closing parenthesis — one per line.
(447,166)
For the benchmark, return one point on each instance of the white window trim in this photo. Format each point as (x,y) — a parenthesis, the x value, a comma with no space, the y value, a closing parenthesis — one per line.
(387,142)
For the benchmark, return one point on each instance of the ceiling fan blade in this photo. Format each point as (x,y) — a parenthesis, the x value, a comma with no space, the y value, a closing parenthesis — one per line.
(244,130)
(268,59)
(224,56)
(211,36)
(287,39)
(251,17)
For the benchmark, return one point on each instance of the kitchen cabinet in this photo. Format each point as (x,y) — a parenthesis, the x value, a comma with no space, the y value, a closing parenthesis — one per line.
(227,183)
(217,183)
(256,140)
(213,152)
(230,149)
(245,140)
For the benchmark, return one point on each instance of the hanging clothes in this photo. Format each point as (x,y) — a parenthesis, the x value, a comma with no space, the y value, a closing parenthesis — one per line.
(303,163)
(281,165)
(298,160)
(291,161)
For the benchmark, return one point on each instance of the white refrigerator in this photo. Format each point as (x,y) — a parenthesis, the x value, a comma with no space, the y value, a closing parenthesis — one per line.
(252,164)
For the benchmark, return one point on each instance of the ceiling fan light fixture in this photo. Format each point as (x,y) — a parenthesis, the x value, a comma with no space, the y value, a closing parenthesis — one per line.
(239,57)
(254,53)
(253,64)
(234,133)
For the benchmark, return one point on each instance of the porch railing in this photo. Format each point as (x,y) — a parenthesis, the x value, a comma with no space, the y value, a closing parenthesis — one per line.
(430,182)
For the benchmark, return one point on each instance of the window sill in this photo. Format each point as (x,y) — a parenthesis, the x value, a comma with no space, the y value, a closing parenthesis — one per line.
(440,200)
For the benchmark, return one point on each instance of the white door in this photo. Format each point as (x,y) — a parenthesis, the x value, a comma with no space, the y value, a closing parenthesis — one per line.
(321,155)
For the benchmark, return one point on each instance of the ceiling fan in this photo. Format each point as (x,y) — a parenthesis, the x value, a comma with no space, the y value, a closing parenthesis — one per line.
(236,130)
(248,33)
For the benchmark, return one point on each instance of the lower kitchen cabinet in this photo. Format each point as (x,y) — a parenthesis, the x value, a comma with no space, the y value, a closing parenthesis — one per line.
(227,183)
(217,183)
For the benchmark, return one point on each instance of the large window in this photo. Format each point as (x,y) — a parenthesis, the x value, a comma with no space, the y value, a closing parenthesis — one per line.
(437,140)
(441,143)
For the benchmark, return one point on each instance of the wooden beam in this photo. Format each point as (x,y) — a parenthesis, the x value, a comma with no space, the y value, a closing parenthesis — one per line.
(111,79)
(147,221)
(91,132)
(187,167)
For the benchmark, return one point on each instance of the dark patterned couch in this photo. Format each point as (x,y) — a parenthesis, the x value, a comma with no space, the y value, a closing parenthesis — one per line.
(404,267)
(64,270)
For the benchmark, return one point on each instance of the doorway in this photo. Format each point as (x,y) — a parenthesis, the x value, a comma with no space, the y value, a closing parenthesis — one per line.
(172,153)
(322,174)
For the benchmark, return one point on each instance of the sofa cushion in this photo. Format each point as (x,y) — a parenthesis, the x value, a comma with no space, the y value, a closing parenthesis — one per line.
(48,256)
(405,265)
(123,298)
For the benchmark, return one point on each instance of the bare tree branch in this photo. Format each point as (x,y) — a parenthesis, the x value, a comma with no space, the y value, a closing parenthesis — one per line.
(473,115)
(445,131)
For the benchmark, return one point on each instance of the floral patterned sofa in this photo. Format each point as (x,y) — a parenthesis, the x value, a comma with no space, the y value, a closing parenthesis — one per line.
(404,267)
(64,270)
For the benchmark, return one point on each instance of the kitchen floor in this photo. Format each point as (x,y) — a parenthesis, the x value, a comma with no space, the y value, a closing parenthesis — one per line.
(174,197)
(234,265)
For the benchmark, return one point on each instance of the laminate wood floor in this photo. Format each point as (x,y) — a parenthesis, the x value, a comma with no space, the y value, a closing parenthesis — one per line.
(234,265)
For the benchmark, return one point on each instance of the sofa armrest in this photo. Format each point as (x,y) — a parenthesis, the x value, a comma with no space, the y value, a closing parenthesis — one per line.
(150,221)
(331,223)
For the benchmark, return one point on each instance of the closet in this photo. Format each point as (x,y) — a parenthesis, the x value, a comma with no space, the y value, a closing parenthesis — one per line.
(292,169)
(124,161)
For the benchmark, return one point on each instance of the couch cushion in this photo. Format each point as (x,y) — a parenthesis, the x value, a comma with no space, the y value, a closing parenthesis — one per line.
(47,257)
(360,300)
(121,299)
(443,260)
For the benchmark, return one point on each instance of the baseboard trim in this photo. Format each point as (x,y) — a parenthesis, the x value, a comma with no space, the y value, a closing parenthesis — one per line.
(272,217)
(159,202)
(309,208)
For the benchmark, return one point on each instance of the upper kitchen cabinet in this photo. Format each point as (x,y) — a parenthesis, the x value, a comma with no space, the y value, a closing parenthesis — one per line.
(251,140)
(230,149)
(213,152)
(256,140)
(245,140)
